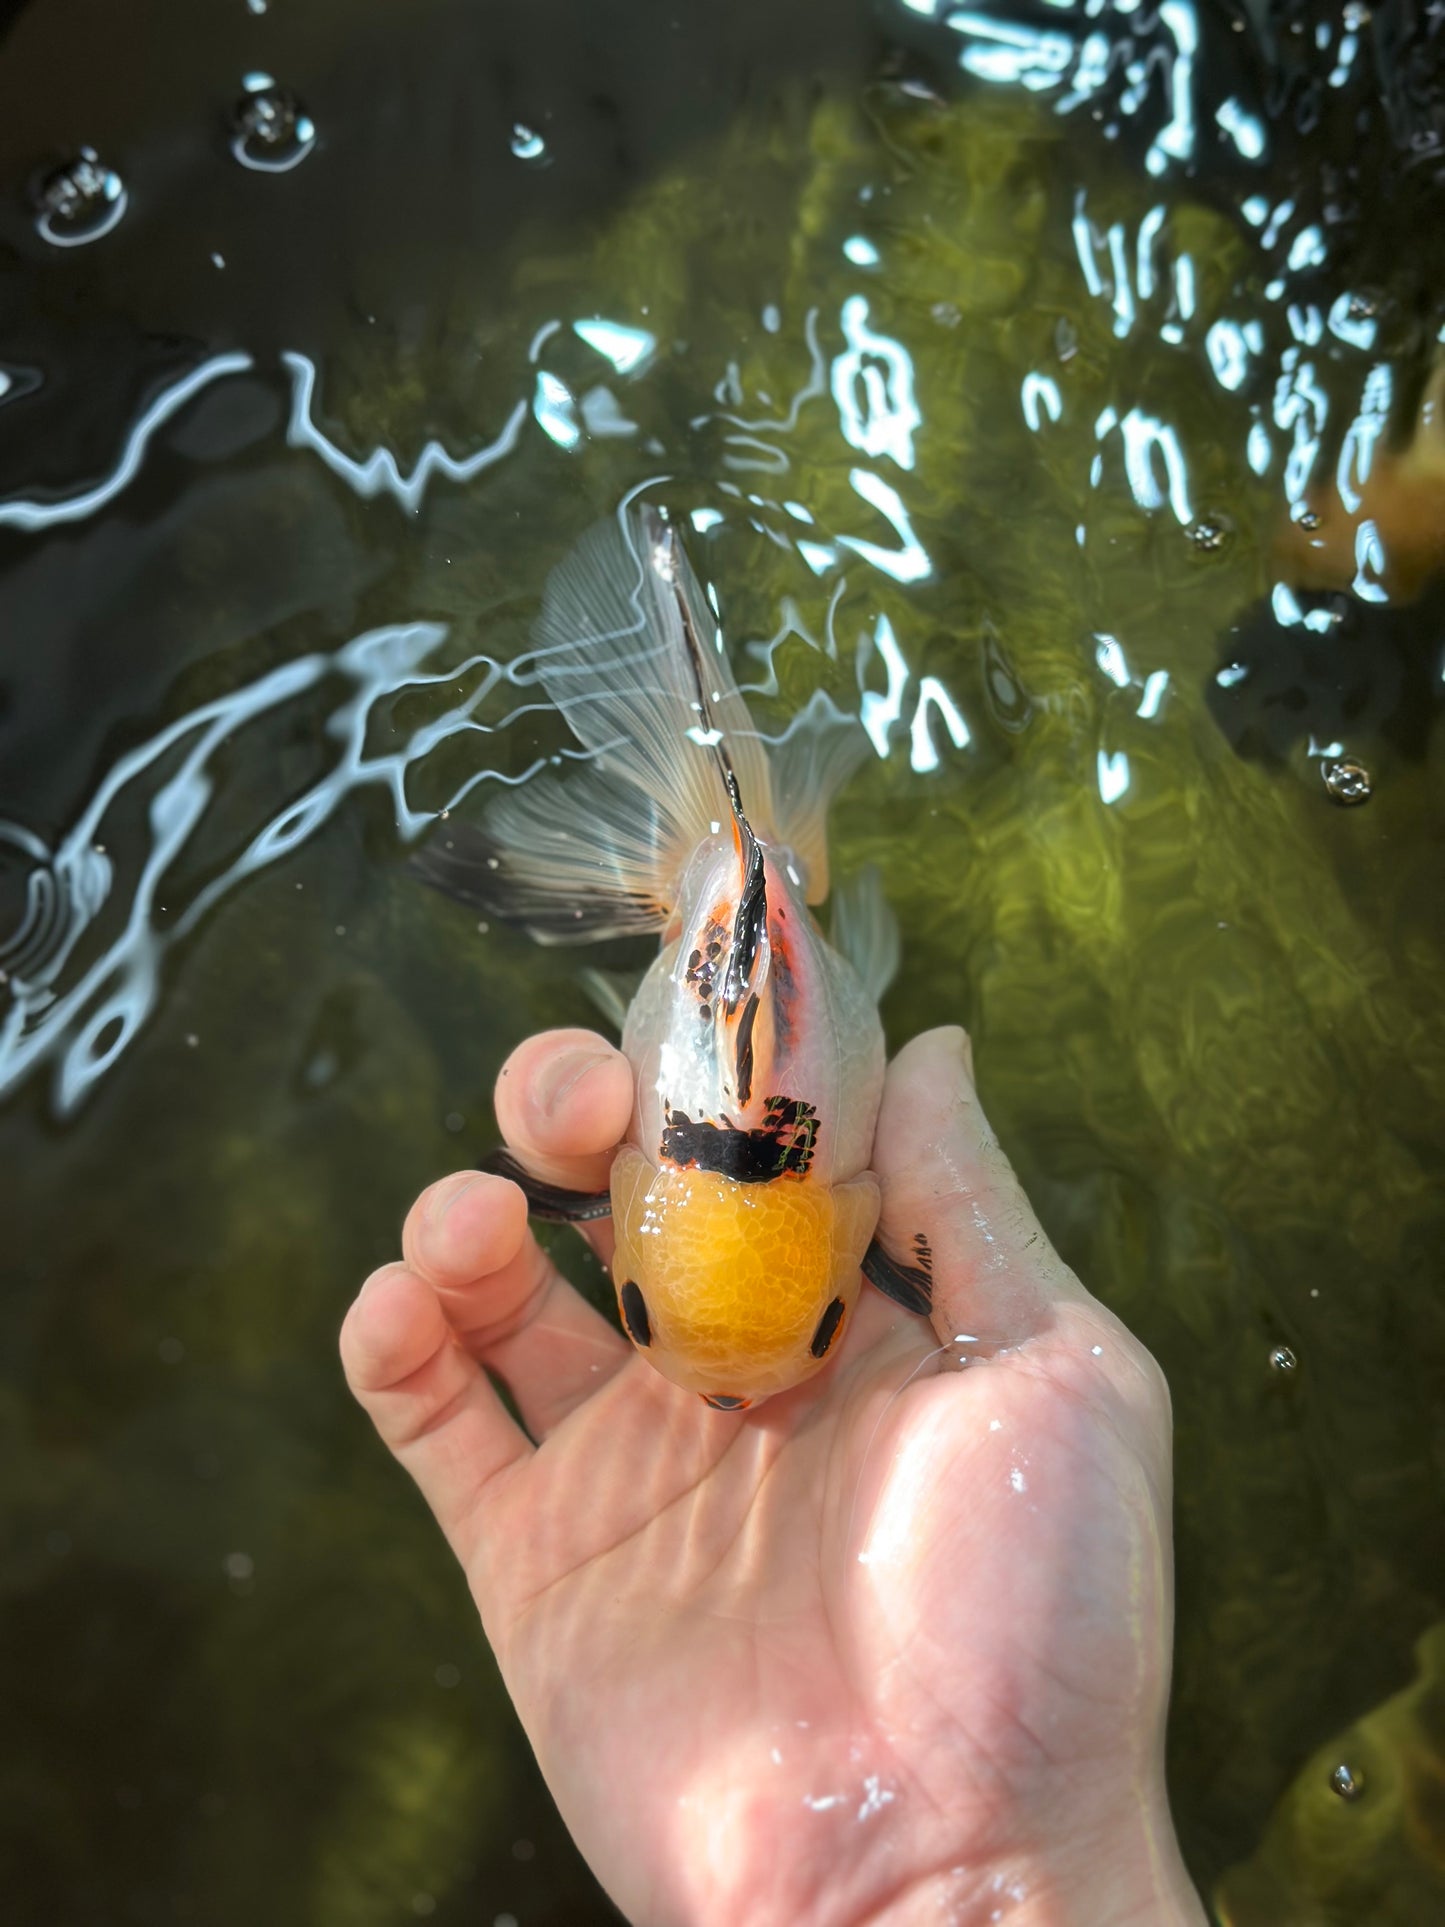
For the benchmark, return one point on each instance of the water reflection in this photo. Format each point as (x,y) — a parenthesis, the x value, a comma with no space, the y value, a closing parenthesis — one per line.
(34,516)
(381,472)
(85,965)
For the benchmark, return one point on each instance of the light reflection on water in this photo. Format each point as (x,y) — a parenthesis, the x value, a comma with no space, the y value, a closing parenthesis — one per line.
(80,997)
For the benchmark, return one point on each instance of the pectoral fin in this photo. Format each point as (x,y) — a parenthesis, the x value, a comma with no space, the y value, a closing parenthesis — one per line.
(908,1285)
(549,1201)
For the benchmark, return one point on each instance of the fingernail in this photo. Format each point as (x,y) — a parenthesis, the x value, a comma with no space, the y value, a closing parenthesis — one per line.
(559,1078)
(443,1197)
(963,1044)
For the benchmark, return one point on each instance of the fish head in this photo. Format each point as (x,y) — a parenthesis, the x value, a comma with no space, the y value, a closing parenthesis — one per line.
(733,1289)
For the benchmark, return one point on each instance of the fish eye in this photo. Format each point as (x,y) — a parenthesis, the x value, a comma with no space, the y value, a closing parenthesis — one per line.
(634,1314)
(721,1403)
(827,1329)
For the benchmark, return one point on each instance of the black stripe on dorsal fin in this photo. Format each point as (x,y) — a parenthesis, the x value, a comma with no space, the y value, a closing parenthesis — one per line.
(751,920)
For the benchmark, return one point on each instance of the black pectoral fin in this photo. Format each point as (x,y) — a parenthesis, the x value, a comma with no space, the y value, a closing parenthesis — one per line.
(908,1285)
(549,1200)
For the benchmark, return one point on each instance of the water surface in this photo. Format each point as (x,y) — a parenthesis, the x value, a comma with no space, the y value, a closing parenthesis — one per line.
(999,363)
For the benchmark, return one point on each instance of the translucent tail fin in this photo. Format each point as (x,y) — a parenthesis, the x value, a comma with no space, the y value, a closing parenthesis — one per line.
(628,648)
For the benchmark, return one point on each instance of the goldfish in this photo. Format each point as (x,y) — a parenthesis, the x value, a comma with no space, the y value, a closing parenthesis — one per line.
(742,1200)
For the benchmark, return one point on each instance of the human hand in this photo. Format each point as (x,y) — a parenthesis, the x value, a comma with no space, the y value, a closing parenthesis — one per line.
(892,1647)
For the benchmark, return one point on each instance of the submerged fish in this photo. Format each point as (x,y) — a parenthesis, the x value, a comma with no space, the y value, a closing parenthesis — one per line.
(743,1204)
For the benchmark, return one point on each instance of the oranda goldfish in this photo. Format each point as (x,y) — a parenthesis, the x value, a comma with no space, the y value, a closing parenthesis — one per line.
(743,1204)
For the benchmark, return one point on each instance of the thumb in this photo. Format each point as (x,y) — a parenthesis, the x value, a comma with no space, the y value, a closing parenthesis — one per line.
(945,1180)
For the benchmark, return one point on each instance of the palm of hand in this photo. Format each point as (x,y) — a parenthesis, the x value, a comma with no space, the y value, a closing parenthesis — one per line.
(842,1656)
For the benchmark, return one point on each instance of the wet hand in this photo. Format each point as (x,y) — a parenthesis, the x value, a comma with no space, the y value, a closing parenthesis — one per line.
(892,1647)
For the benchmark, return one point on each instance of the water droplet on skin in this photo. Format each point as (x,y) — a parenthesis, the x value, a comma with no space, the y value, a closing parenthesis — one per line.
(78,201)
(1208,534)
(1347,1781)
(271,129)
(1282,1359)
(527,144)
(1347,781)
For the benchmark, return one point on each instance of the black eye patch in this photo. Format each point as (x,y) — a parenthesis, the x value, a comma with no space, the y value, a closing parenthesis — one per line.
(634,1314)
(827,1329)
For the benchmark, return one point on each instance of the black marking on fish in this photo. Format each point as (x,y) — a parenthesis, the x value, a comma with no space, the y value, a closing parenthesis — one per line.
(827,1329)
(750,923)
(700,972)
(743,1055)
(751,920)
(908,1285)
(782,1146)
(721,1403)
(923,1253)
(634,1314)
(548,1201)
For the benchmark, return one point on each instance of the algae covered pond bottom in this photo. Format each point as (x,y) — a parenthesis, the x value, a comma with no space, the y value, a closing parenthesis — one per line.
(1063,394)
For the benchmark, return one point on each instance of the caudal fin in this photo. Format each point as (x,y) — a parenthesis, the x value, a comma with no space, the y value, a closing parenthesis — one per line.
(629,651)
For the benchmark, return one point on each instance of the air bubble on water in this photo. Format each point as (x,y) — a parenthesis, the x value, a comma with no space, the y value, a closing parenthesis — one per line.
(257,6)
(238,1565)
(271,130)
(1347,781)
(527,144)
(1347,1781)
(1356,16)
(78,201)
(1209,534)
(1282,1359)
(454,1122)
(448,1675)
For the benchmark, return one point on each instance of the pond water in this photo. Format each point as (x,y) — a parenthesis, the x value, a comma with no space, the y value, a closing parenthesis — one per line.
(1057,386)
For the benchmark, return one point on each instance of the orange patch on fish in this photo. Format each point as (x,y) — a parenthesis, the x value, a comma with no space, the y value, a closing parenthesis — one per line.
(737,1278)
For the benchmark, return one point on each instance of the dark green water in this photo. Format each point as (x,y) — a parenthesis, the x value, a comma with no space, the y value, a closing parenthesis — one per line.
(988,400)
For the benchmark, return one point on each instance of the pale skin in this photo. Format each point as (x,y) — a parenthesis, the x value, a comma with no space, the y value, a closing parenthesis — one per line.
(893,1647)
